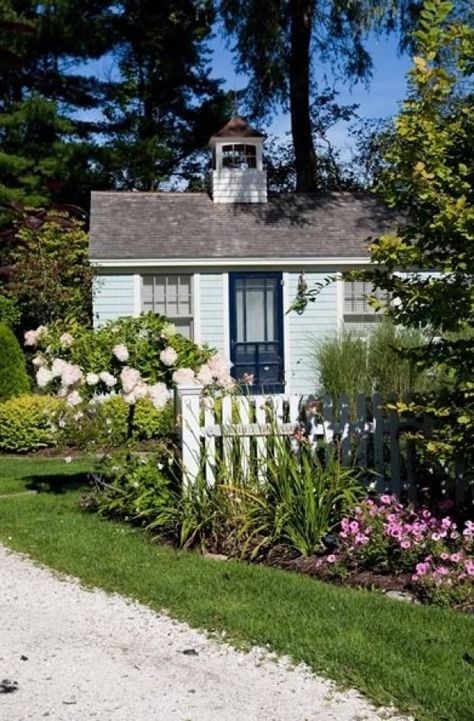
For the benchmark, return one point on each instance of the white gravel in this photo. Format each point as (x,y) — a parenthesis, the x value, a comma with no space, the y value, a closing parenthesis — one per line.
(71,654)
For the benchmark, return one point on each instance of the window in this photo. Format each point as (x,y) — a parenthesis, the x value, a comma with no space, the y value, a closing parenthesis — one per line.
(356,305)
(171,296)
(239,156)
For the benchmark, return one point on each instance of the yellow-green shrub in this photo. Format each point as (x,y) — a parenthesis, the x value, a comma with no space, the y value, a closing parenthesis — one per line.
(30,422)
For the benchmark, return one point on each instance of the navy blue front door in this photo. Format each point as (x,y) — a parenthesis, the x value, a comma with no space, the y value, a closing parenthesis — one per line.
(256,330)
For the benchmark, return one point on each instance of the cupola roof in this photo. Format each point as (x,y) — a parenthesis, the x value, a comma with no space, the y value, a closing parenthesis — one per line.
(237,127)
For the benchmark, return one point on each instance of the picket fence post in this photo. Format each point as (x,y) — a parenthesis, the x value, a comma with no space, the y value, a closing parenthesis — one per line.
(188,410)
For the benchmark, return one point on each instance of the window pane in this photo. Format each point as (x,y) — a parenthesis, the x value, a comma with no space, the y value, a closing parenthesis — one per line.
(171,296)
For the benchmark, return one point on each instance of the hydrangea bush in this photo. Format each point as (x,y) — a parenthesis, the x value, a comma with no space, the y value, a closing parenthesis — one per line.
(386,536)
(137,358)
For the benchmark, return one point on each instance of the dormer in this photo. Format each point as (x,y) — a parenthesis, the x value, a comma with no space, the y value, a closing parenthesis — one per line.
(237,174)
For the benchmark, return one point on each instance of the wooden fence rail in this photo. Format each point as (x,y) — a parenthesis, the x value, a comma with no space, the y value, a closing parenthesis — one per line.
(233,434)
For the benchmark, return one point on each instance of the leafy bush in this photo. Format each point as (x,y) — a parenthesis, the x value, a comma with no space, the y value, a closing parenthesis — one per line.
(104,424)
(13,377)
(146,491)
(30,422)
(9,313)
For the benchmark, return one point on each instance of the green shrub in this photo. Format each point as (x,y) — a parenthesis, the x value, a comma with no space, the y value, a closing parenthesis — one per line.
(30,422)
(105,424)
(13,377)
(9,313)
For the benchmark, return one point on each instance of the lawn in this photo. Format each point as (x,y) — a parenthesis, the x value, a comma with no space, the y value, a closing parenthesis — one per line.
(418,658)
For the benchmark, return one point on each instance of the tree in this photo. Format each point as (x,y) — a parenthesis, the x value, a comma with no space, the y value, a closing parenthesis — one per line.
(49,276)
(164,106)
(280,43)
(427,265)
(42,137)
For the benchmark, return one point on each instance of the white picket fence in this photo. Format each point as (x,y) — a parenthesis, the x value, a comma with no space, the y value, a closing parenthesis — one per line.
(370,439)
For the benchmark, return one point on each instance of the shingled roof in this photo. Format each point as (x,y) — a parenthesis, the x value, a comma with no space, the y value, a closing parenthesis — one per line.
(237,127)
(190,226)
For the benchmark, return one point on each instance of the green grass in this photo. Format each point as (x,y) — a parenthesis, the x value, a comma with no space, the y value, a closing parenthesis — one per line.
(417,658)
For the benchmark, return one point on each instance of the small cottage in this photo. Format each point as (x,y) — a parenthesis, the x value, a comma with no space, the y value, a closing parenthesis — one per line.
(224,267)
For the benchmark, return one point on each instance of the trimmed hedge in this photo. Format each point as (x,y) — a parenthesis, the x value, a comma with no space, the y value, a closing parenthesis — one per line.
(13,377)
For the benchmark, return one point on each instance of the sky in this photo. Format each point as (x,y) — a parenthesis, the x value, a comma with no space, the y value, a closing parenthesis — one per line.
(381,98)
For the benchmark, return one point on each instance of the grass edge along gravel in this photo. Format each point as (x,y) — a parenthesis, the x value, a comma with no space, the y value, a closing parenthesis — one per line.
(417,658)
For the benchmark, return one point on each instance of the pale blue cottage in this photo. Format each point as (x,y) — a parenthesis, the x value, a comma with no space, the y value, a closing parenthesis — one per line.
(225,266)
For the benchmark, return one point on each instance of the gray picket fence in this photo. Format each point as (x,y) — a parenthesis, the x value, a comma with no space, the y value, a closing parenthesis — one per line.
(236,430)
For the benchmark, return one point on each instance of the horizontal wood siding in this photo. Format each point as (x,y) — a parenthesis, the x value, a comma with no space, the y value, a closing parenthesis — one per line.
(212,311)
(318,320)
(113,297)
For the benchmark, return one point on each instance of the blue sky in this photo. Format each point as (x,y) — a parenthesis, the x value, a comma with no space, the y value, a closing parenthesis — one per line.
(380,98)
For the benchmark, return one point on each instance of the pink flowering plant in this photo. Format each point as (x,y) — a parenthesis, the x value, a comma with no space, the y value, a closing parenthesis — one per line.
(386,536)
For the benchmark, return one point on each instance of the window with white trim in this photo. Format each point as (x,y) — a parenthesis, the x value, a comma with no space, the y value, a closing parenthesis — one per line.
(170,295)
(239,155)
(356,305)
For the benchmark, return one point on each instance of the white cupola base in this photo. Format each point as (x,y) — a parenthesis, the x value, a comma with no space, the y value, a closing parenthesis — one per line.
(237,174)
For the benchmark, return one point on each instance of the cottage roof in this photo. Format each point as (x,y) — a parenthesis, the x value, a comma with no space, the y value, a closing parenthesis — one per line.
(128,225)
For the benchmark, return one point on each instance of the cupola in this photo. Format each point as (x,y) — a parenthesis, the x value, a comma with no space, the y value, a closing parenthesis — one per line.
(237,174)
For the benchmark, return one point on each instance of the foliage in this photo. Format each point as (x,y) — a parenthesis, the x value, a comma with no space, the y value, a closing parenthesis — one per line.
(104,424)
(137,356)
(13,377)
(29,422)
(9,313)
(298,500)
(351,362)
(146,491)
(428,179)
(385,536)
(51,277)
(284,48)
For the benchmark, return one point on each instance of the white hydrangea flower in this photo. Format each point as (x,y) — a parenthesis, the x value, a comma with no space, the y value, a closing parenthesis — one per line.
(71,374)
(168,330)
(120,351)
(58,366)
(108,379)
(92,379)
(74,398)
(158,394)
(184,376)
(205,376)
(43,377)
(31,338)
(66,340)
(168,356)
(39,361)
(130,378)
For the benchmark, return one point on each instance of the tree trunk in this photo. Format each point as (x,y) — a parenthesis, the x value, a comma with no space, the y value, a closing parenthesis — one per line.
(301,18)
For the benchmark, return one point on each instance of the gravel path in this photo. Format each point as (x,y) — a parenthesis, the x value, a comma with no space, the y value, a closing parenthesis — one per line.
(70,654)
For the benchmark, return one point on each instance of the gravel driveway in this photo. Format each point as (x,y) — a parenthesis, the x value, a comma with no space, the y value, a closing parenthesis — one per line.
(70,654)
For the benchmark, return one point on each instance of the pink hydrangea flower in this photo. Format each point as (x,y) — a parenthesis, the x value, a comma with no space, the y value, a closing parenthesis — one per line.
(71,374)
(158,394)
